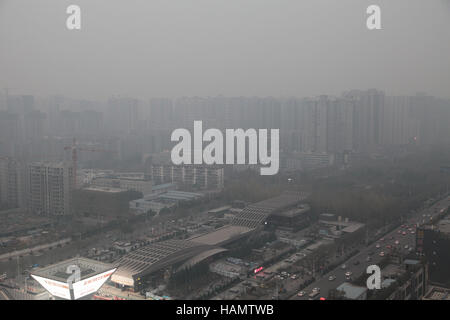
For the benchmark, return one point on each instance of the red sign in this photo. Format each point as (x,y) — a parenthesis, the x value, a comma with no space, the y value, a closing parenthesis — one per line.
(258,270)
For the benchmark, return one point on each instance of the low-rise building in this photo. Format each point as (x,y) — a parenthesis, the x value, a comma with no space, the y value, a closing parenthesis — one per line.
(352,292)
(157,202)
(131,182)
(101,202)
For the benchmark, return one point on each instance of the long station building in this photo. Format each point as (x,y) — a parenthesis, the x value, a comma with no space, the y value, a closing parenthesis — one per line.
(155,259)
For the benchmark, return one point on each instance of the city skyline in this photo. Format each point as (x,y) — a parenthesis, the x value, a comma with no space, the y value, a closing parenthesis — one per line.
(200,150)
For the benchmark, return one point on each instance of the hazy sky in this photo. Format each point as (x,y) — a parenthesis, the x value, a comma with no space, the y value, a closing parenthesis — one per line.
(154,48)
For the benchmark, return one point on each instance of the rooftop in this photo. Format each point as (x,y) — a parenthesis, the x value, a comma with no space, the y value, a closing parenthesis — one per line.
(291,213)
(255,214)
(444,225)
(163,186)
(437,293)
(58,271)
(221,235)
(351,291)
(154,257)
(220,209)
(104,189)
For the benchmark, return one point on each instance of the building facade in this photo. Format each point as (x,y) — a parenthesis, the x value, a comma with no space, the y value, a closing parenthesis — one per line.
(50,188)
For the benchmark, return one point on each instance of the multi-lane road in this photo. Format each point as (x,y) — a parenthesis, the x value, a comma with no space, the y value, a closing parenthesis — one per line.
(402,238)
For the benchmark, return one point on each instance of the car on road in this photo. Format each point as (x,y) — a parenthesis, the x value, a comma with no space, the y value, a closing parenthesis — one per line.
(381,254)
(389,246)
(397,242)
(348,274)
(313,294)
(332,278)
(343,267)
(377,246)
(301,294)
(404,233)
(406,246)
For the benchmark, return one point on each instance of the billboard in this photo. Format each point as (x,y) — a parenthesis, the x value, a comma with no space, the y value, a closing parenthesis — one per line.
(90,285)
(56,288)
(80,288)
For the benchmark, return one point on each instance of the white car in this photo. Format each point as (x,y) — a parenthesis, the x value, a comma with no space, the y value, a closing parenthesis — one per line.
(397,242)
(343,267)
(378,246)
(381,254)
(348,274)
(301,293)
(331,278)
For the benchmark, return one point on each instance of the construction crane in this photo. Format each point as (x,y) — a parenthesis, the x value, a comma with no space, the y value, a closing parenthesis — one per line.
(75,148)
(7,96)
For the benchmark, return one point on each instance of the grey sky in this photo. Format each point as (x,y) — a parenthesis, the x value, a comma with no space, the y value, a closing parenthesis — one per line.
(153,48)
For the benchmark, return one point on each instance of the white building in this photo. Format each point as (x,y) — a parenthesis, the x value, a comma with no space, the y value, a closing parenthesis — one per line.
(50,188)
(131,183)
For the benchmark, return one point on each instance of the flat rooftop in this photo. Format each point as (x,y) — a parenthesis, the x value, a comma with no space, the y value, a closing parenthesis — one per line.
(351,291)
(179,195)
(221,235)
(444,225)
(220,209)
(291,213)
(437,293)
(104,189)
(348,227)
(392,271)
(57,271)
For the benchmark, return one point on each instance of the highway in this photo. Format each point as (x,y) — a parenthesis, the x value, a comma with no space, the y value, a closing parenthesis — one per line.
(402,234)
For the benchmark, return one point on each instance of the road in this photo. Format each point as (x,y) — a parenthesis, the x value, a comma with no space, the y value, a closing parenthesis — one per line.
(409,239)
(4,295)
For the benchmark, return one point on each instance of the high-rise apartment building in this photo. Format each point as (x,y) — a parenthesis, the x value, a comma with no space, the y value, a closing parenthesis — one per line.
(367,118)
(50,188)
(12,183)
